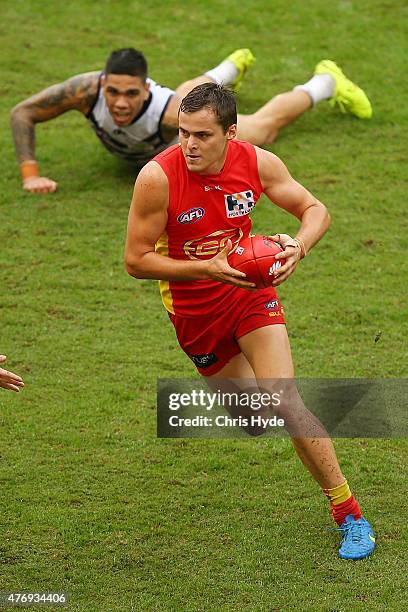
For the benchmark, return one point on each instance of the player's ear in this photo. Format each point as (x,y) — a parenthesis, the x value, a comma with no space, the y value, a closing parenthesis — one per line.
(232,132)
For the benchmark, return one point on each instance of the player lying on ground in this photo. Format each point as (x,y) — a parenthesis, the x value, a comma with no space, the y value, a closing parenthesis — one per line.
(225,329)
(8,380)
(135,118)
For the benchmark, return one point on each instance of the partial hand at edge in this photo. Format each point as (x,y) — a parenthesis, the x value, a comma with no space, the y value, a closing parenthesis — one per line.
(8,380)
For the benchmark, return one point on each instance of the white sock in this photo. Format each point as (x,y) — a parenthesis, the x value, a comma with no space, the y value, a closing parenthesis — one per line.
(319,87)
(223,74)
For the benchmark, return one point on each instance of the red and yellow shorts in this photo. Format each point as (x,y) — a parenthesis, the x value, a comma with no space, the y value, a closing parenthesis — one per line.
(211,341)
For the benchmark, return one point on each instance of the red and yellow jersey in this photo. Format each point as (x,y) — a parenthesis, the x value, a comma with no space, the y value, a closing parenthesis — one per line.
(204,212)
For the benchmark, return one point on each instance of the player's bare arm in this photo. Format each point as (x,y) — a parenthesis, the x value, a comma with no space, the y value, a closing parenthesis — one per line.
(284,191)
(169,124)
(147,222)
(77,93)
(170,117)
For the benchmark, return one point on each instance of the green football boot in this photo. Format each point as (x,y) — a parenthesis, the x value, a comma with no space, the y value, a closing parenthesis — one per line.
(242,60)
(347,94)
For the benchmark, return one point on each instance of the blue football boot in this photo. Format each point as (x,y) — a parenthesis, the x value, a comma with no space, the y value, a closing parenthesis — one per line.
(358,539)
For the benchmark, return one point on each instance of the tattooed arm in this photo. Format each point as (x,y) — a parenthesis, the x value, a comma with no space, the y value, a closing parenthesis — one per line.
(78,93)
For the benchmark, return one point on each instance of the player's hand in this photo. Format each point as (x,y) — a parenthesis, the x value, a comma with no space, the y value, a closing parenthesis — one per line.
(39,184)
(8,380)
(219,269)
(291,252)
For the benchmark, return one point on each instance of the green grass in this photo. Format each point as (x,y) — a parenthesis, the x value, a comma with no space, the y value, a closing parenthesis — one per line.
(91,501)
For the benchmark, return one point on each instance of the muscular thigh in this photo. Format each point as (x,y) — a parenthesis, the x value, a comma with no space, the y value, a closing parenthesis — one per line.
(267,350)
(255,129)
(237,367)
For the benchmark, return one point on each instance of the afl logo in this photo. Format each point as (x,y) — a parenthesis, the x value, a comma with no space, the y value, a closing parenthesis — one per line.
(191,215)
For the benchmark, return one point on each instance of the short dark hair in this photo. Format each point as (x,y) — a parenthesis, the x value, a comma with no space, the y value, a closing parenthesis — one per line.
(127,61)
(215,97)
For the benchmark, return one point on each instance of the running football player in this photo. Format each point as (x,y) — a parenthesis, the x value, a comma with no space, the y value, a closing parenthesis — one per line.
(223,327)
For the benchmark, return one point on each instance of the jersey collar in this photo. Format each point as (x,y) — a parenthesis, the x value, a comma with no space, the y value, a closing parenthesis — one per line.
(144,108)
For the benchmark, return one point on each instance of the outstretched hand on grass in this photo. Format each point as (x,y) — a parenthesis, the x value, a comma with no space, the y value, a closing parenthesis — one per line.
(8,380)
(39,184)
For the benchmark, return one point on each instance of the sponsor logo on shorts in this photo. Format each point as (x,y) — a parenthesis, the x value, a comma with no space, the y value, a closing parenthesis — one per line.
(275,266)
(277,313)
(272,305)
(204,361)
(210,245)
(239,204)
(191,215)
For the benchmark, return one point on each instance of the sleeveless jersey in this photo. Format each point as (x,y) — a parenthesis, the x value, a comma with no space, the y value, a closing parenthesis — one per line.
(204,212)
(142,139)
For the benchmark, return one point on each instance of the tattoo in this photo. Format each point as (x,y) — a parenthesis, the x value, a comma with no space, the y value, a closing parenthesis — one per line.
(78,93)
(24,137)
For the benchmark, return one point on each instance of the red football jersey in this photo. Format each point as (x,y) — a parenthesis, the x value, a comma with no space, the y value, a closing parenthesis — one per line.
(204,212)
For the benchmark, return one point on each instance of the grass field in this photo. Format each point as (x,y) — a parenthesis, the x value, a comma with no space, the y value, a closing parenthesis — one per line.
(91,502)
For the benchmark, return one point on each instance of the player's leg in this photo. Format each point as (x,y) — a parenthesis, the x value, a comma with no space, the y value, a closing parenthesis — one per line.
(327,83)
(237,377)
(317,454)
(237,367)
(261,347)
(263,126)
(183,89)
(229,72)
